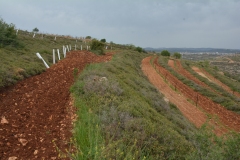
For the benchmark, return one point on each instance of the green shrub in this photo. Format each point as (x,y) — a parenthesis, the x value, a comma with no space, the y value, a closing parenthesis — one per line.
(97,46)
(165,53)
(8,35)
(103,40)
(177,55)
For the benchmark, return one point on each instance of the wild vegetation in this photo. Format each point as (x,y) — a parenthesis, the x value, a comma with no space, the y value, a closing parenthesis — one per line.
(18,52)
(222,97)
(97,46)
(122,116)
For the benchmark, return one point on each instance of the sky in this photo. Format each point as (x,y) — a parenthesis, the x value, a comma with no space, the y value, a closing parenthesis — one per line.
(144,23)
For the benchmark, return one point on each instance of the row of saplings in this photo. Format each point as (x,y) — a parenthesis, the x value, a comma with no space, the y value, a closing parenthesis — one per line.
(167,53)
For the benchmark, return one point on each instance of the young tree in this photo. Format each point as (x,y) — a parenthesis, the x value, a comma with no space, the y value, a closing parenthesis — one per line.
(165,53)
(177,55)
(7,34)
(35,30)
(88,37)
(97,46)
(103,40)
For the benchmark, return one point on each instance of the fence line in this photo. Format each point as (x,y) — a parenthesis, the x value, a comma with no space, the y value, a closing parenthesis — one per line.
(230,118)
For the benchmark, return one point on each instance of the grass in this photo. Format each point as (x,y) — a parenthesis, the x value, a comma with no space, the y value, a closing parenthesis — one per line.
(135,120)
(131,119)
(120,114)
(22,62)
(222,97)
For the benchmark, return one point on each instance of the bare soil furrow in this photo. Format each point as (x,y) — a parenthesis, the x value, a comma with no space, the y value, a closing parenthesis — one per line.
(35,114)
(221,118)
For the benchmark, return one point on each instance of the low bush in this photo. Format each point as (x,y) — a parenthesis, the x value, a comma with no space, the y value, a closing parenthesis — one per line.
(97,47)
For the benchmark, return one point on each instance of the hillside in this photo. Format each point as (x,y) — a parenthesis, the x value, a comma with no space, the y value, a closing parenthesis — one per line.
(112,111)
(22,62)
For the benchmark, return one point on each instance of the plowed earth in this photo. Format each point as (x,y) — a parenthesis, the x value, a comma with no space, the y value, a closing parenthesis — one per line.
(36,114)
(204,73)
(179,68)
(196,111)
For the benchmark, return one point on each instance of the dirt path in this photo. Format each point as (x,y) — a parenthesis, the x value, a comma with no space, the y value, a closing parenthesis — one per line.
(36,114)
(198,71)
(214,80)
(221,118)
(188,75)
(190,111)
(171,64)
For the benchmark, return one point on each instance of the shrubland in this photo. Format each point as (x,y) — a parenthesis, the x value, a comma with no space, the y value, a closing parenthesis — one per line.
(122,116)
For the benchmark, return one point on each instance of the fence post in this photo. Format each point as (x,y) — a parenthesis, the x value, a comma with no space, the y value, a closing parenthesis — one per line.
(70,47)
(53,56)
(81,47)
(197,100)
(17,32)
(75,47)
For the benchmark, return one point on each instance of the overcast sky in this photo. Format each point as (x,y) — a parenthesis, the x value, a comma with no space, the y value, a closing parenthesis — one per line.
(145,23)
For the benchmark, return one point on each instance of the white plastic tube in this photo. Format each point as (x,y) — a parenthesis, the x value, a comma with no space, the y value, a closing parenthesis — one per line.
(40,57)
(58,54)
(53,56)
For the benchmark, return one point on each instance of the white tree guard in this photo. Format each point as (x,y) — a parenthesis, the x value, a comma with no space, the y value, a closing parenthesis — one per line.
(33,35)
(54,56)
(58,54)
(40,57)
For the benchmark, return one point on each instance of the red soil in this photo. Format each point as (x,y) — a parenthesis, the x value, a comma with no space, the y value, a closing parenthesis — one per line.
(214,80)
(188,75)
(189,110)
(37,115)
(228,119)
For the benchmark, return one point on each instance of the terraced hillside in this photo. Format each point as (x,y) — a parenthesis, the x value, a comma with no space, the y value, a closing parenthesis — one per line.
(227,119)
